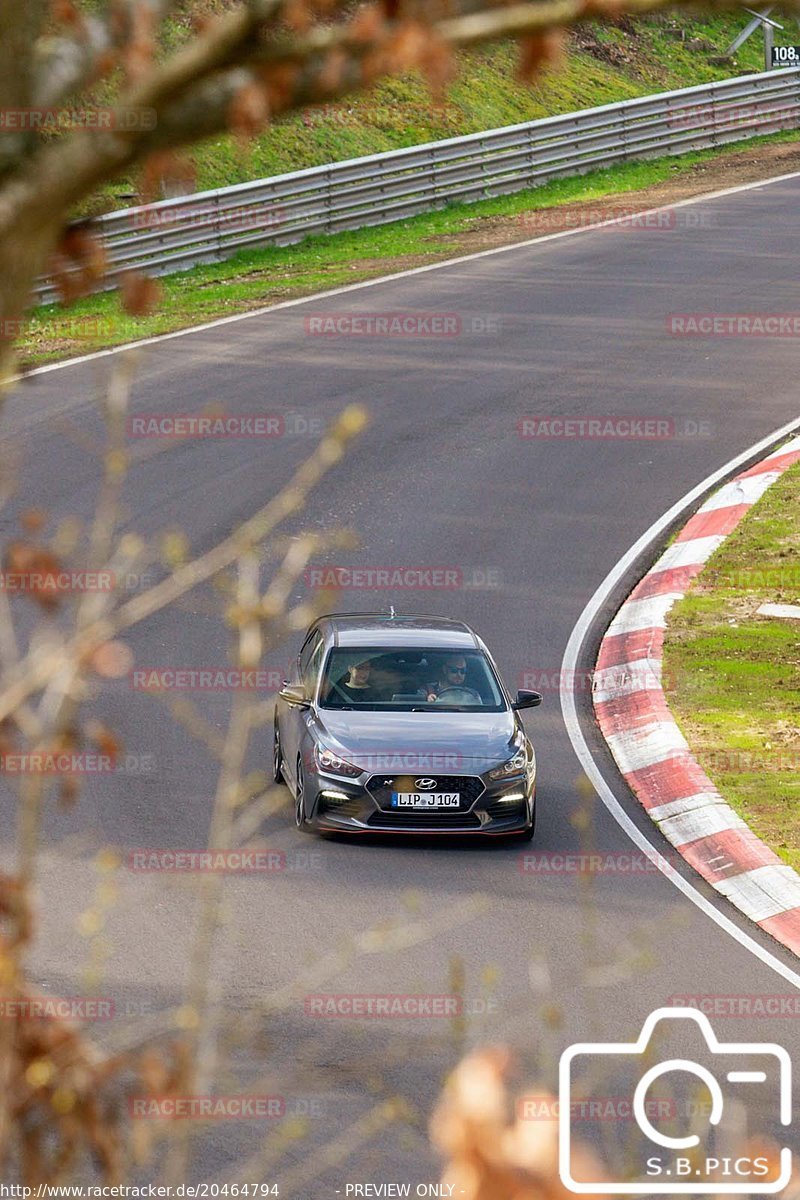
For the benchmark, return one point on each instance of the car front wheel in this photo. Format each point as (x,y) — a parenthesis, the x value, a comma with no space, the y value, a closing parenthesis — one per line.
(277,755)
(526,834)
(300,797)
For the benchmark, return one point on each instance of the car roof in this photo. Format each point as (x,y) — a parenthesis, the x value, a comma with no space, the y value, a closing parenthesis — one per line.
(383,630)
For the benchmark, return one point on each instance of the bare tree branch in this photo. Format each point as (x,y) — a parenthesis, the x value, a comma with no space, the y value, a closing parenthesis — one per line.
(41,666)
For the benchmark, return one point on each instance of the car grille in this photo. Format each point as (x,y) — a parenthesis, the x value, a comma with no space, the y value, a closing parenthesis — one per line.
(500,810)
(469,787)
(425,820)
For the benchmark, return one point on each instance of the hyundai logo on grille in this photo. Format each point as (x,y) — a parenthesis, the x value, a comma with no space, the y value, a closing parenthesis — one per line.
(425,784)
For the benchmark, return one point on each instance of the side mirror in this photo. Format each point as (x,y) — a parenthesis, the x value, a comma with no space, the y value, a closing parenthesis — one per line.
(295,694)
(526,699)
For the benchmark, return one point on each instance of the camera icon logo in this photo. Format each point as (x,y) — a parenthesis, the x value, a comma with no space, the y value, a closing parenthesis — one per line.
(677,1162)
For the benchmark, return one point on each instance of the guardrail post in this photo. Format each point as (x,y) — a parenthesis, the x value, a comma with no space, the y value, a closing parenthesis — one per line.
(220,247)
(532,147)
(329,202)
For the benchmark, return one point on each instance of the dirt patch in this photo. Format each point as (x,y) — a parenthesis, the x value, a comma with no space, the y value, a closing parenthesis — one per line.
(486,233)
(742,166)
(625,55)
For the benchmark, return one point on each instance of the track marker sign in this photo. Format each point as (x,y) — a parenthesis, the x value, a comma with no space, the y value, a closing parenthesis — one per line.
(786,56)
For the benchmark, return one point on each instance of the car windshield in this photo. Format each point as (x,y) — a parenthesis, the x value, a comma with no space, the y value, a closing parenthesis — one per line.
(410,681)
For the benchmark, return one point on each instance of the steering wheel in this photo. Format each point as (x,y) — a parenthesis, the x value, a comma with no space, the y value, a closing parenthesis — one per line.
(463,695)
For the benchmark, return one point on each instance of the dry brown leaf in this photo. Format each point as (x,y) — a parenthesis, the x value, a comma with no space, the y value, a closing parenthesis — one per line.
(69,791)
(106,742)
(279,80)
(332,74)
(36,569)
(167,169)
(140,47)
(538,51)
(297,16)
(249,111)
(112,660)
(33,519)
(367,24)
(140,293)
(77,263)
(65,12)
(490,1155)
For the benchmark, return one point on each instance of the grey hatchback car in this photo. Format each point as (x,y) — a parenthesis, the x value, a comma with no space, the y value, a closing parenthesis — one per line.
(402,725)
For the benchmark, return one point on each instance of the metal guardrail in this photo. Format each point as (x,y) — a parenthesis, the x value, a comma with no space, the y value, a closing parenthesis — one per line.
(173,235)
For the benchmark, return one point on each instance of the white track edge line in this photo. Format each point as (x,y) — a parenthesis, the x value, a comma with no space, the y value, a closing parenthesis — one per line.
(575,733)
(366,283)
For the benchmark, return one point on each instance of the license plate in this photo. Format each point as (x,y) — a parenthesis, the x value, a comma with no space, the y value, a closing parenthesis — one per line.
(426,799)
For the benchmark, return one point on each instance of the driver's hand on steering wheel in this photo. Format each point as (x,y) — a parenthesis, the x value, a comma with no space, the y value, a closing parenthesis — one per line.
(431,697)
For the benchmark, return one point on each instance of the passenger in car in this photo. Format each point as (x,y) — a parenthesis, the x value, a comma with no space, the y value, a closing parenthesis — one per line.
(357,686)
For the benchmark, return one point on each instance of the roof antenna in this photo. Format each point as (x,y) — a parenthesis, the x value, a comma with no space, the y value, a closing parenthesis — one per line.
(392,613)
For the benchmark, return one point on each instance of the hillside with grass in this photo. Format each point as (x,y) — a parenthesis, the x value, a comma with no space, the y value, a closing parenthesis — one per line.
(601,64)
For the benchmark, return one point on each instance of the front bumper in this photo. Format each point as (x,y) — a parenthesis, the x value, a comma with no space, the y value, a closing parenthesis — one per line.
(490,807)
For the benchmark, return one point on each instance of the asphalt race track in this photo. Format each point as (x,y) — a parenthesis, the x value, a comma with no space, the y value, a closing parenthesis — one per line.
(571,327)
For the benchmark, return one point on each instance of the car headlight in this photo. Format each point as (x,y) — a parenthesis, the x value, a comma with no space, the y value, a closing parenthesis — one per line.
(331,764)
(514,766)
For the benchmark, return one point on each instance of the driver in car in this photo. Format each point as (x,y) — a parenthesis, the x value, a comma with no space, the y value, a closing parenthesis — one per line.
(452,674)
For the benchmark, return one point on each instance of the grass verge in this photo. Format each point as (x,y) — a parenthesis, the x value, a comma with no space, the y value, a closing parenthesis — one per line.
(256,278)
(602,63)
(736,676)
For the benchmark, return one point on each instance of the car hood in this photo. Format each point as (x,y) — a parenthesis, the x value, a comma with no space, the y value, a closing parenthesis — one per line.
(455,741)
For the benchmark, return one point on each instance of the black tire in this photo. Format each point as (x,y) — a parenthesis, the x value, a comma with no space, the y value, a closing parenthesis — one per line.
(299,797)
(526,835)
(277,755)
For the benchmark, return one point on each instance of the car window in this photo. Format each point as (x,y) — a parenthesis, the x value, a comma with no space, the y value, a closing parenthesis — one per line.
(309,661)
(407,680)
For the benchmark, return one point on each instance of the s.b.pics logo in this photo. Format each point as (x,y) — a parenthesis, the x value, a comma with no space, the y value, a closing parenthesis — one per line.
(689,1110)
